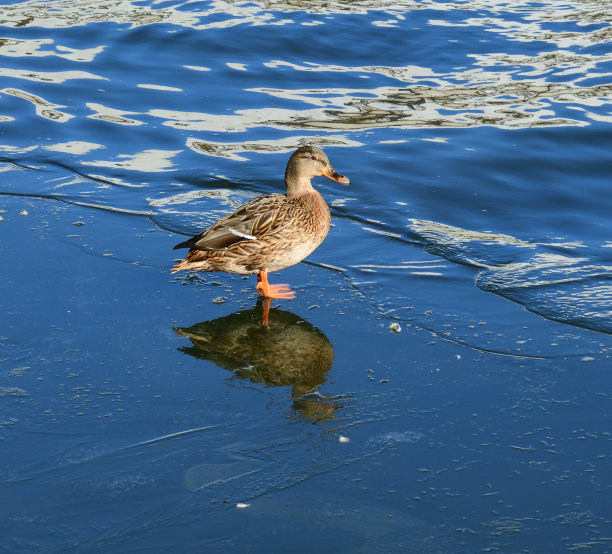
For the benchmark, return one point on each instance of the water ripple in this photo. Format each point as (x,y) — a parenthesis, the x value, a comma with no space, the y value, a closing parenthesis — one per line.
(503,89)
(562,287)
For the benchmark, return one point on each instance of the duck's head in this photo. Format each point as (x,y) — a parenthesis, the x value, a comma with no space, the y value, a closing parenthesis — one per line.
(308,162)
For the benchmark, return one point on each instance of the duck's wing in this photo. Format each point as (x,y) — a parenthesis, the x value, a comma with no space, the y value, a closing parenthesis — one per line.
(249,222)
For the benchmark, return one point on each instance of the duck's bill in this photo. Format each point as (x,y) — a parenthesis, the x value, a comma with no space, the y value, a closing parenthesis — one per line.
(337,177)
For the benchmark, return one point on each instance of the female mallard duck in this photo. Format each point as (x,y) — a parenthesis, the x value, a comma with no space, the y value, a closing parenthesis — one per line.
(270,232)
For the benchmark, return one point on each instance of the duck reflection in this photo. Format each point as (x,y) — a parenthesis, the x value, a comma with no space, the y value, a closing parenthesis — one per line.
(288,351)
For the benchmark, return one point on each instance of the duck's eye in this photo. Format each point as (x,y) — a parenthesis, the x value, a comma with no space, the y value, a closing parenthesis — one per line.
(314,157)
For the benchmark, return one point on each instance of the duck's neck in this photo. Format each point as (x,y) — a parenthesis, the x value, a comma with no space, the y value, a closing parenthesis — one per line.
(297,184)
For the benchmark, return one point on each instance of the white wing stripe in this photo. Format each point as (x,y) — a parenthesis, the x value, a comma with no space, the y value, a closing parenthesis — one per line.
(242,235)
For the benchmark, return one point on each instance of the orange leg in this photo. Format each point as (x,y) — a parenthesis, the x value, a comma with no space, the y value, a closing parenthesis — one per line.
(282,292)
(265,314)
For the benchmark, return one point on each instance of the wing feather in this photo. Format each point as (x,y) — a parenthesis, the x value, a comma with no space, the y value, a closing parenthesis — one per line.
(249,222)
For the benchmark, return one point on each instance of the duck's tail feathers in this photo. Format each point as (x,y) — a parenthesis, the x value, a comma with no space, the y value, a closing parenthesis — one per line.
(184,265)
(186,244)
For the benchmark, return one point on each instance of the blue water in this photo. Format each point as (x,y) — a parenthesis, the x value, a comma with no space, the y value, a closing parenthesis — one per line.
(441,382)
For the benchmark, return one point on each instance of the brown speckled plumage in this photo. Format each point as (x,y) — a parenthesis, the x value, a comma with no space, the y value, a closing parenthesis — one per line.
(271,232)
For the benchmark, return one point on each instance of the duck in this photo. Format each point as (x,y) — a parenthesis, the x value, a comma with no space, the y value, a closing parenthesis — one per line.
(270,232)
